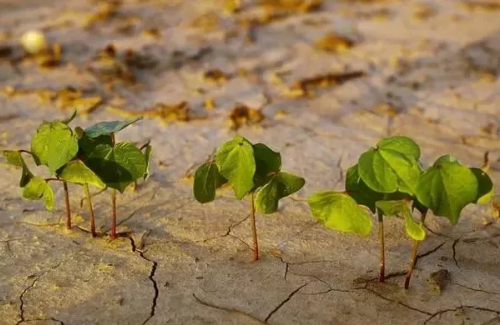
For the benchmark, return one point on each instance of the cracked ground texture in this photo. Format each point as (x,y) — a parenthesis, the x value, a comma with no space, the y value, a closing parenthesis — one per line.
(430,71)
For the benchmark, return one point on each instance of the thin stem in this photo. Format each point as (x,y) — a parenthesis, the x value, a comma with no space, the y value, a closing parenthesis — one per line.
(25,151)
(414,253)
(414,257)
(91,210)
(113,234)
(382,246)
(254,230)
(53,179)
(68,208)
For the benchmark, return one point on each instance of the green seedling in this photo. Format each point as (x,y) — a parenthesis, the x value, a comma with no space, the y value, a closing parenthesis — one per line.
(388,180)
(250,169)
(84,157)
(53,145)
(117,164)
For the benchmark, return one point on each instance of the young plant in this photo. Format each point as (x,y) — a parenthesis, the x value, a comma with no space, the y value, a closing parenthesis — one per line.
(250,169)
(53,145)
(117,164)
(388,180)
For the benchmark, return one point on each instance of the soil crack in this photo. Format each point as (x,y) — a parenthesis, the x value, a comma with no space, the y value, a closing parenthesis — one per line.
(476,289)
(290,296)
(154,266)
(229,310)
(444,311)
(25,291)
(396,301)
(138,248)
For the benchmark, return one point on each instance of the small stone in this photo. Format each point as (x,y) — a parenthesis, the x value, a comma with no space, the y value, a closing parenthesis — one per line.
(439,280)
(33,41)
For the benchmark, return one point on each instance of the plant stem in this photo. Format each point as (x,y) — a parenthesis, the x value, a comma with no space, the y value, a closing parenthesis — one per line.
(414,254)
(113,235)
(68,208)
(254,229)
(91,210)
(381,277)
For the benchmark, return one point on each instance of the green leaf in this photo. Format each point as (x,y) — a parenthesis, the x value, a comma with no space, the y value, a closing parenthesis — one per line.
(117,166)
(78,173)
(38,188)
(280,186)
(206,181)
(49,198)
(414,230)
(485,186)
(391,166)
(15,158)
(340,212)
(400,208)
(446,188)
(148,155)
(359,191)
(53,145)
(108,127)
(236,163)
(267,162)
(70,119)
(34,189)
(88,145)
(446,158)
(392,208)
(403,145)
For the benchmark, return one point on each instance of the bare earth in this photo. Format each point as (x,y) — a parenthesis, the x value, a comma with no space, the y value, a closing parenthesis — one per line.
(429,72)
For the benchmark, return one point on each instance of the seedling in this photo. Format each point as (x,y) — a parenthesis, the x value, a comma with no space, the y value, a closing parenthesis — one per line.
(53,145)
(84,157)
(117,164)
(250,169)
(388,180)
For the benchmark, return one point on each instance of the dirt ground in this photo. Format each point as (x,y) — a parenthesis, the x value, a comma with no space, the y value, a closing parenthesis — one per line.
(202,71)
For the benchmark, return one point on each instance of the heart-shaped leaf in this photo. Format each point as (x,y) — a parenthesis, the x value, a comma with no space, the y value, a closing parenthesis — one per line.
(267,162)
(117,166)
(108,127)
(38,188)
(391,166)
(78,173)
(206,180)
(401,208)
(15,158)
(236,163)
(280,186)
(446,188)
(485,186)
(340,212)
(53,145)
(359,191)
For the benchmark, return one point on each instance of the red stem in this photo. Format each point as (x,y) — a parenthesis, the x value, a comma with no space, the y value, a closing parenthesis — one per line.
(68,208)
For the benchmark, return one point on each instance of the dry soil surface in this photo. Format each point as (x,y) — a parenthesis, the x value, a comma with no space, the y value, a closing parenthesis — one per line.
(425,69)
